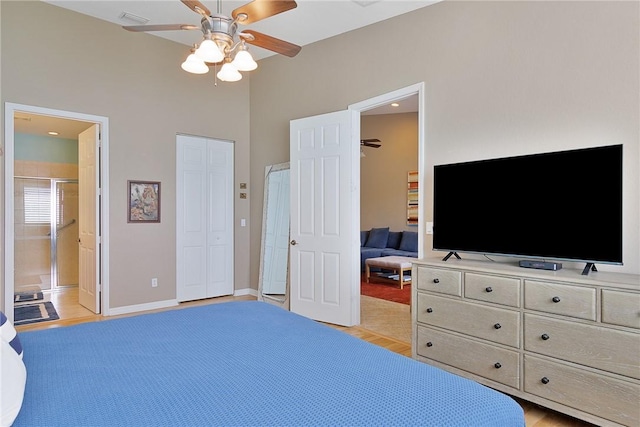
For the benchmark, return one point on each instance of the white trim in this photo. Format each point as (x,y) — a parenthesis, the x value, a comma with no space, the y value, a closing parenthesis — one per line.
(156,305)
(245,291)
(9,111)
(415,89)
(359,107)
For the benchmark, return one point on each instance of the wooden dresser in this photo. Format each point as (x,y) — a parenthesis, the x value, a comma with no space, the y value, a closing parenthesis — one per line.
(556,338)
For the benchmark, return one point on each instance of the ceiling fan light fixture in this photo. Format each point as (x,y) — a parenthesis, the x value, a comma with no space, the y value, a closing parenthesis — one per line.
(244,61)
(209,51)
(229,73)
(194,64)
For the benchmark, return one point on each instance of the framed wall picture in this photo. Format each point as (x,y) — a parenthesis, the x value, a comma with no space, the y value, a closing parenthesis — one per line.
(144,201)
(412,198)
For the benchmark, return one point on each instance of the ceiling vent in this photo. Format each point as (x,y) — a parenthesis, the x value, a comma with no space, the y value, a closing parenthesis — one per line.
(128,16)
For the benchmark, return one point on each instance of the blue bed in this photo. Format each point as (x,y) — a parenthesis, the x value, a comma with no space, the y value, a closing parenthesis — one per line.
(239,364)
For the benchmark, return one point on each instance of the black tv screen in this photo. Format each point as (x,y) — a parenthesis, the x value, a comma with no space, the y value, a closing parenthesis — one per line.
(562,205)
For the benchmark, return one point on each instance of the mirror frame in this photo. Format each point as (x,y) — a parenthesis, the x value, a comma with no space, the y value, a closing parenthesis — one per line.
(284,303)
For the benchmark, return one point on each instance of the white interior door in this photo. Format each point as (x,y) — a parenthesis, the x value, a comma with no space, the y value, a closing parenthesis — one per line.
(204,218)
(325,210)
(88,287)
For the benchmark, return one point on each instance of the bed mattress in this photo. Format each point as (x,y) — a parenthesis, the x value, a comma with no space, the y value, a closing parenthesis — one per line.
(239,364)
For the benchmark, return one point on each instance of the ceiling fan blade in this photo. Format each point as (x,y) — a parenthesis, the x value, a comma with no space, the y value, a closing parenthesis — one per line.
(370,143)
(260,9)
(161,27)
(270,43)
(197,7)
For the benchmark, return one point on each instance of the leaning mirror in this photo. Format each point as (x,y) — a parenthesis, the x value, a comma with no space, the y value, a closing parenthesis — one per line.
(273,284)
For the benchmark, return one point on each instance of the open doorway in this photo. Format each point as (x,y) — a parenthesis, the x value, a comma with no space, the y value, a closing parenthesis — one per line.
(388,167)
(45,210)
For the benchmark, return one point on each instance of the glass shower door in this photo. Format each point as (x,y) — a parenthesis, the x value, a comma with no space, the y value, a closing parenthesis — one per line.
(64,242)
(32,225)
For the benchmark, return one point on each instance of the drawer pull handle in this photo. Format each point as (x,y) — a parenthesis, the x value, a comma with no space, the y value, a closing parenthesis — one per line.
(497,326)
(436,280)
(429,344)
(489,289)
(429,310)
(555,299)
(545,337)
(544,380)
(497,365)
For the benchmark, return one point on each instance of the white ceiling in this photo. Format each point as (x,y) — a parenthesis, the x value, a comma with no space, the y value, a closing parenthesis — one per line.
(310,21)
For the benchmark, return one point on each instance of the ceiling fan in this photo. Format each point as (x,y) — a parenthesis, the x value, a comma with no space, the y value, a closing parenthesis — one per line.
(373,142)
(221,37)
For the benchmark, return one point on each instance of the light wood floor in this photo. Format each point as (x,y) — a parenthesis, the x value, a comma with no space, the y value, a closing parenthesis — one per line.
(379,326)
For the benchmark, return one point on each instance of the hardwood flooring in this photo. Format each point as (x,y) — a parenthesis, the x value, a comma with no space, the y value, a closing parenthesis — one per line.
(383,323)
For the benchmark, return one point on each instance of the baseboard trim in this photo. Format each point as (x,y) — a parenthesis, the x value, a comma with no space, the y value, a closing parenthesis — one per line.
(245,291)
(142,307)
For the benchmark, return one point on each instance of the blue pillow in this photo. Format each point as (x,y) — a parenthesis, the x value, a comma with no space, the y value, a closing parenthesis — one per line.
(409,241)
(378,238)
(9,335)
(394,239)
(364,235)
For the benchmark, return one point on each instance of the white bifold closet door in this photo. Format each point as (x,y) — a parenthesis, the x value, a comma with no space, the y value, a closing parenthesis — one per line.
(204,218)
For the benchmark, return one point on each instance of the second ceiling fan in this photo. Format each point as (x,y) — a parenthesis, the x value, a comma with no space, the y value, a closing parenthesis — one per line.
(221,37)
(372,142)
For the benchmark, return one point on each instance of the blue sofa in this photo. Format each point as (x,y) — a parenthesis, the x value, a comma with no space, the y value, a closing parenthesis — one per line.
(379,242)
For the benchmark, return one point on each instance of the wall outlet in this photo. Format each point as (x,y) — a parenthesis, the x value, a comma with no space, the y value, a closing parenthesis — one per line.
(154,282)
(429,227)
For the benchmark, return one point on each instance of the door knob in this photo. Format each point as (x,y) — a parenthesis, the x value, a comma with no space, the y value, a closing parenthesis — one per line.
(293,242)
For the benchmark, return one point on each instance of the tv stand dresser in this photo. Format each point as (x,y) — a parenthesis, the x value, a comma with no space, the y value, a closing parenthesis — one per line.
(555,338)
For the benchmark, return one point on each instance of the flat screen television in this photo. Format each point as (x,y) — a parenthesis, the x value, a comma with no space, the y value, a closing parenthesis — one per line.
(564,206)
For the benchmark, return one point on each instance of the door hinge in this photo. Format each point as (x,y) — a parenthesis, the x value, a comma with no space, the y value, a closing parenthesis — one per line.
(99,287)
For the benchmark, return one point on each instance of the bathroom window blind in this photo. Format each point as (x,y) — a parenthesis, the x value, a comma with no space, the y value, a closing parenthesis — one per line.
(37,204)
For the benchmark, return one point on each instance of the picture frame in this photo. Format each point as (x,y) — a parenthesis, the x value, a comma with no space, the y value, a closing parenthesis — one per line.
(143,201)
(412,198)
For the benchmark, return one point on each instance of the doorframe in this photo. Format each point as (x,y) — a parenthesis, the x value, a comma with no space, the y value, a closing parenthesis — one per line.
(103,190)
(384,99)
(368,104)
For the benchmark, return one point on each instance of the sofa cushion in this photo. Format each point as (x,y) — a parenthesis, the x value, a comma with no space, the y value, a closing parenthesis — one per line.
(366,253)
(394,239)
(409,241)
(364,235)
(397,252)
(378,238)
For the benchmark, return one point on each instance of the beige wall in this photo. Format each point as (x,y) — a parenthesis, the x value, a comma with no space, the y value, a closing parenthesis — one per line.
(383,171)
(62,60)
(501,79)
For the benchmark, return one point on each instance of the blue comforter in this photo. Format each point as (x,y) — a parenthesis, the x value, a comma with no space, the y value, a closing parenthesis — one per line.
(239,364)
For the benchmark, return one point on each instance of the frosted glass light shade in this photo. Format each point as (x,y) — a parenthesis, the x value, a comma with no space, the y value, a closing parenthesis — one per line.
(194,64)
(244,61)
(209,51)
(229,73)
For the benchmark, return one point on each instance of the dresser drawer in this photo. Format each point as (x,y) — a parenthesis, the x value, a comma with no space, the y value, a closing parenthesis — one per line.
(568,300)
(494,324)
(621,308)
(496,289)
(443,281)
(488,361)
(596,346)
(614,399)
